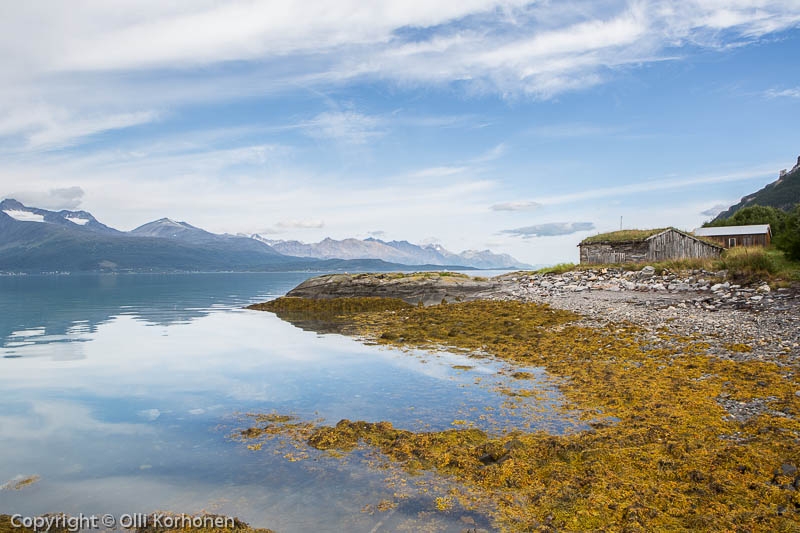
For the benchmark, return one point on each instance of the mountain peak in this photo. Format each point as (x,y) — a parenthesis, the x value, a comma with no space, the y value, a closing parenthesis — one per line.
(11,203)
(168,221)
(22,213)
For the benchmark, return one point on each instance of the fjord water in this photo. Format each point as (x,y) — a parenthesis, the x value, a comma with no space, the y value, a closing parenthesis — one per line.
(120,392)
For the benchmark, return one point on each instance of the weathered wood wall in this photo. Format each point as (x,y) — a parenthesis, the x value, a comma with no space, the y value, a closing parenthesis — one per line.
(618,252)
(673,244)
(742,240)
(665,246)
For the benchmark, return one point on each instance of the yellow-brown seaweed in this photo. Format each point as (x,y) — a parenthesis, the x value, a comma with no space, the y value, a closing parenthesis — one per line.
(672,460)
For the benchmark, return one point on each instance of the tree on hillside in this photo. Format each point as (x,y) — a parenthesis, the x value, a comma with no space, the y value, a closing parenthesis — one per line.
(789,239)
(756,214)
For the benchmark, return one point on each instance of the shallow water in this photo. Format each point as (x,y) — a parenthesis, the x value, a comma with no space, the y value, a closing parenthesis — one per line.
(121,391)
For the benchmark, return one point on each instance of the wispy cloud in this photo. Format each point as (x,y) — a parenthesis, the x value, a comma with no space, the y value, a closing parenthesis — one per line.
(574,130)
(344,126)
(653,185)
(44,127)
(516,206)
(793,92)
(492,154)
(301,224)
(438,172)
(59,198)
(550,229)
(509,47)
(72,74)
(715,210)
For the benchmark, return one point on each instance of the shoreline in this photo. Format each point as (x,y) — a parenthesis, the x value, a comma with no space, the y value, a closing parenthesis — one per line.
(700,303)
(698,429)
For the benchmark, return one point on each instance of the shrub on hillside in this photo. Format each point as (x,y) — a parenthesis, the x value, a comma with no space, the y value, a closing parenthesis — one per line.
(756,214)
(789,239)
(746,264)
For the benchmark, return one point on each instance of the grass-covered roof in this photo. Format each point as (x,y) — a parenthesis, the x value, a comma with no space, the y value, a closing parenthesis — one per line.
(625,235)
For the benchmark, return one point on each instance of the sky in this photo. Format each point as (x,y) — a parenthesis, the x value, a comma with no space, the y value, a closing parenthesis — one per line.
(518,126)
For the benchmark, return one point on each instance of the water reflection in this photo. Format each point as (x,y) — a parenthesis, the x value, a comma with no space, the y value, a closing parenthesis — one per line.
(120,391)
(48,309)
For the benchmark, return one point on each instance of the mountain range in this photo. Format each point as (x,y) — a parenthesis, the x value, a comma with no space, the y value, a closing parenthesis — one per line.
(402,252)
(783,193)
(39,240)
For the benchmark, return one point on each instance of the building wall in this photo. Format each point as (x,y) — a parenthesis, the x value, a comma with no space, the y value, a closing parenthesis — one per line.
(741,240)
(624,252)
(665,246)
(675,245)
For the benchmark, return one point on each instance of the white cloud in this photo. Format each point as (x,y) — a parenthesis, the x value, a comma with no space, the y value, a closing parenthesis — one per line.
(783,93)
(70,130)
(651,185)
(714,210)
(72,72)
(301,224)
(58,198)
(573,130)
(46,127)
(516,206)
(507,46)
(75,71)
(550,229)
(204,32)
(344,126)
(438,172)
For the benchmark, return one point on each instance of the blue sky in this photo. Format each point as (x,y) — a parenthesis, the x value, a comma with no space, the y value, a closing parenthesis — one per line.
(520,127)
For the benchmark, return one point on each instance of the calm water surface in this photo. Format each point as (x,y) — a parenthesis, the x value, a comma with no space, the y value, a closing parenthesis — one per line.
(120,393)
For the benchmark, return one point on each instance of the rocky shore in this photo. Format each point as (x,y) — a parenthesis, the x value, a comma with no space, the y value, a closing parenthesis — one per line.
(427,287)
(740,322)
(757,321)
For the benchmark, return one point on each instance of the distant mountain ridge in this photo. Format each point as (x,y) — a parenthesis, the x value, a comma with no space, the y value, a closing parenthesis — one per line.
(71,219)
(402,252)
(166,228)
(38,240)
(783,194)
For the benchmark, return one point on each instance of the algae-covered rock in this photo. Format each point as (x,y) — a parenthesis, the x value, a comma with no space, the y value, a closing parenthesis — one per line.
(427,287)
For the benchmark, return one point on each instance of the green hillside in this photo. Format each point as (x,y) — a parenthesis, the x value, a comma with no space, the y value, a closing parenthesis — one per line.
(782,194)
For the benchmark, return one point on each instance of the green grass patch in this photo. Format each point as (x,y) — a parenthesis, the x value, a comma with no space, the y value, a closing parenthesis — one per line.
(749,264)
(744,265)
(560,268)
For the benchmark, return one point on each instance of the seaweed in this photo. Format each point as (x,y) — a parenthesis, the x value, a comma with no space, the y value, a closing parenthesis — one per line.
(237,526)
(667,457)
(20,482)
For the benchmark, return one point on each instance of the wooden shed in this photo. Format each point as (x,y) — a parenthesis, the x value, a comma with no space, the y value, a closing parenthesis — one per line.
(642,246)
(730,236)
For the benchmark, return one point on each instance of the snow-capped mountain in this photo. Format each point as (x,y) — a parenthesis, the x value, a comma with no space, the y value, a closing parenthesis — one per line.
(38,240)
(73,219)
(402,252)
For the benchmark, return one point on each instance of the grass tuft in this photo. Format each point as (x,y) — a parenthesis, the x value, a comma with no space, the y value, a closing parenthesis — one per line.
(748,264)
(560,268)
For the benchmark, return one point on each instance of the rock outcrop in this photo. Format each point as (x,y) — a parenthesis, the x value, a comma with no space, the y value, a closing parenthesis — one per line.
(426,287)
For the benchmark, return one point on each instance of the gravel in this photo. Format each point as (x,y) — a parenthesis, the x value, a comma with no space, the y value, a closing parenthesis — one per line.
(701,303)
